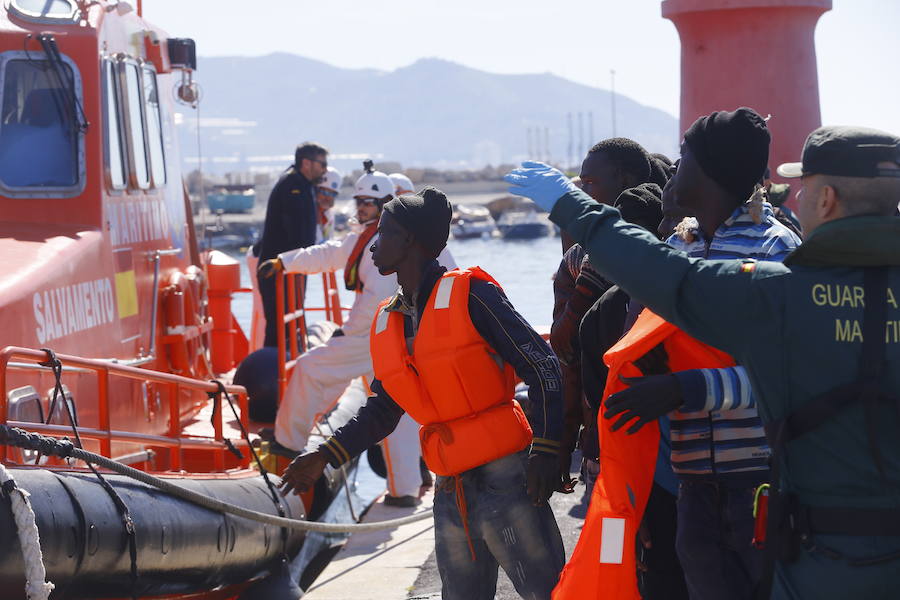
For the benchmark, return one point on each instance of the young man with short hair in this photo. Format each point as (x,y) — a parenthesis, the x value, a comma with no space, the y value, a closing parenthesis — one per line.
(445,349)
(324,372)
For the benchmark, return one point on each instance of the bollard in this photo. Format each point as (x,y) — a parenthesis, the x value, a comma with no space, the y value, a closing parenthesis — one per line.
(224,276)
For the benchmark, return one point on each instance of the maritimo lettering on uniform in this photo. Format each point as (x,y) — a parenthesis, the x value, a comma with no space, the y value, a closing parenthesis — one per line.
(853,296)
(73,308)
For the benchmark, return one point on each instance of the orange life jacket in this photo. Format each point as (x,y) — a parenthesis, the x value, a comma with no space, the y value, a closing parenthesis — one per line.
(603,562)
(454,385)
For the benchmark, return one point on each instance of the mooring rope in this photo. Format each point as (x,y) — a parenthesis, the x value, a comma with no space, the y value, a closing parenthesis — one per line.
(36,586)
(63,448)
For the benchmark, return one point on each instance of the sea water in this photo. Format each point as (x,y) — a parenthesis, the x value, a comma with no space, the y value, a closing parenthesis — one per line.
(524,268)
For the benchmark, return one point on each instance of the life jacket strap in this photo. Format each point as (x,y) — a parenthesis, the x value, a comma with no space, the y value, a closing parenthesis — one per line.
(456,482)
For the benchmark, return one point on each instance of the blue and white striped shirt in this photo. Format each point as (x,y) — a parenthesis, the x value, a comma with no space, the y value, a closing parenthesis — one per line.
(717,432)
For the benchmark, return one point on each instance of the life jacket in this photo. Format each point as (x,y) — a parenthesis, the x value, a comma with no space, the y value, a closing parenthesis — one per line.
(453,384)
(603,562)
(351,269)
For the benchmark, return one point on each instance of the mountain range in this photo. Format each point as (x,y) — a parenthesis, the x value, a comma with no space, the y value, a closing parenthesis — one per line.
(255,110)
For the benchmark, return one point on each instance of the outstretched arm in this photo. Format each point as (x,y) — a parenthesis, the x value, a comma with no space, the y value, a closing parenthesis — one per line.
(321,258)
(719,302)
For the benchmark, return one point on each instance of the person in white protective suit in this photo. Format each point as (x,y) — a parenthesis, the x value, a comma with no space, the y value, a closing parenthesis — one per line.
(323,373)
(327,190)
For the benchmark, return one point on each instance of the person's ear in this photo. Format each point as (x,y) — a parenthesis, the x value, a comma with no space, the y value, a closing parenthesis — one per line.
(828,205)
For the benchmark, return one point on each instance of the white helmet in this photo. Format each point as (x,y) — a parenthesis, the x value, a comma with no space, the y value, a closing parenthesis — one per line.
(402,184)
(331,180)
(374,184)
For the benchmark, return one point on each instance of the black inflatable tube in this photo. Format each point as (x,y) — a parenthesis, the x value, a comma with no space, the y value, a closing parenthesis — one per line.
(181,548)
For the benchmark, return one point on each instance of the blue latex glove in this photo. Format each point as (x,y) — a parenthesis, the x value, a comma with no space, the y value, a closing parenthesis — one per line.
(540,182)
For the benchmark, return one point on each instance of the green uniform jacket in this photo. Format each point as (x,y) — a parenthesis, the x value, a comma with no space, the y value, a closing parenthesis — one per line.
(795,327)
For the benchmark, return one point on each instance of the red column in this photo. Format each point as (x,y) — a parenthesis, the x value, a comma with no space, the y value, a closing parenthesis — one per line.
(756,53)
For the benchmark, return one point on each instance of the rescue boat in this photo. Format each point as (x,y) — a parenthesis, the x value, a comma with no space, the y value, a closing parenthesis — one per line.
(114,323)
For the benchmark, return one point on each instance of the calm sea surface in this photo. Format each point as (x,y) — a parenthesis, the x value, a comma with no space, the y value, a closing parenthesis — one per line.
(523,267)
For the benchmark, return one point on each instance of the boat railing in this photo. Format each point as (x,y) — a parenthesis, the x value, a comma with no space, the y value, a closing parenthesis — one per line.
(291,311)
(176,441)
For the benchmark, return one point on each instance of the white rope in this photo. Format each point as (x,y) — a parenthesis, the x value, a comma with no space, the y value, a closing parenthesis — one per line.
(20,438)
(29,540)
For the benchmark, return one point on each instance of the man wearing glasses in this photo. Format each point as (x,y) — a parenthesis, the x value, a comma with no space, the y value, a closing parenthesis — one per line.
(324,372)
(291,220)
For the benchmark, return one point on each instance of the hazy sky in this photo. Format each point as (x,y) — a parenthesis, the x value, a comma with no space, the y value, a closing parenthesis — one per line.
(857,42)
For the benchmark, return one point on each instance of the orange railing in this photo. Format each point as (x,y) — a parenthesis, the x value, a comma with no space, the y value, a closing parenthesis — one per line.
(175,439)
(290,310)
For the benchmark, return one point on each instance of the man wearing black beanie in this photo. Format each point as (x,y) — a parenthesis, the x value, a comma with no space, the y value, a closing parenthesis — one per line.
(719,446)
(426,215)
(445,349)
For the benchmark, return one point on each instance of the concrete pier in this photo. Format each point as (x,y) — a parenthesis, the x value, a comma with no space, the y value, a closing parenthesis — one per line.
(378,565)
(399,564)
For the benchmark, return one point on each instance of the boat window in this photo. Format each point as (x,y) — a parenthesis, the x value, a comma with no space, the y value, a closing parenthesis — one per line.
(115,159)
(44,9)
(39,136)
(154,127)
(136,126)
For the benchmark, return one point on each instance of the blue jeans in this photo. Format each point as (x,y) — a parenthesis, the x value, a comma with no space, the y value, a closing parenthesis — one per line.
(506,529)
(713,541)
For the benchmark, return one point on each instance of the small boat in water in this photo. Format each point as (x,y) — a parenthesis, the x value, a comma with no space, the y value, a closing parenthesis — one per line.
(522,225)
(472,221)
(232,198)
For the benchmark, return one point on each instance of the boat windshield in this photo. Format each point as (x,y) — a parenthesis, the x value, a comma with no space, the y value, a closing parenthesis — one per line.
(38,132)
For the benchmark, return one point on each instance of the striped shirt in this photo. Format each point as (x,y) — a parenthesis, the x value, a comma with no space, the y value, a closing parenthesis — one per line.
(717,432)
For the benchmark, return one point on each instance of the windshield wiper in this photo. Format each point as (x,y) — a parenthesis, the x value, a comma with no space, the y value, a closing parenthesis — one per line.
(66,81)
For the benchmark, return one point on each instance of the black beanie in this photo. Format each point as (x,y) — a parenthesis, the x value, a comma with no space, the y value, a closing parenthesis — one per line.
(732,148)
(426,215)
(641,205)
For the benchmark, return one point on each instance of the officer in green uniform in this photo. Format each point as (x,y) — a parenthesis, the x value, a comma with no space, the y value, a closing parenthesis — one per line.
(819,336)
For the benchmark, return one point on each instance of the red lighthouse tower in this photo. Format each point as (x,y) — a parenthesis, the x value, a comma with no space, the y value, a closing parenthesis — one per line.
(756,53)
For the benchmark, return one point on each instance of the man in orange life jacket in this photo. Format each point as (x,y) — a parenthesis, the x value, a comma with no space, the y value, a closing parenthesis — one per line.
(444,349)
(324,372)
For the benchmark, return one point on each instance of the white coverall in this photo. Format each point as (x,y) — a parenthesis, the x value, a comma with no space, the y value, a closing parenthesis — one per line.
(257,331)
(324,372)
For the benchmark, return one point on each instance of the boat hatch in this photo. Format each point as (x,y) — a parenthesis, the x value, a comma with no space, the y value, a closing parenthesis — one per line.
(45,11)
(24,404)
(41,134)
(59,412)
